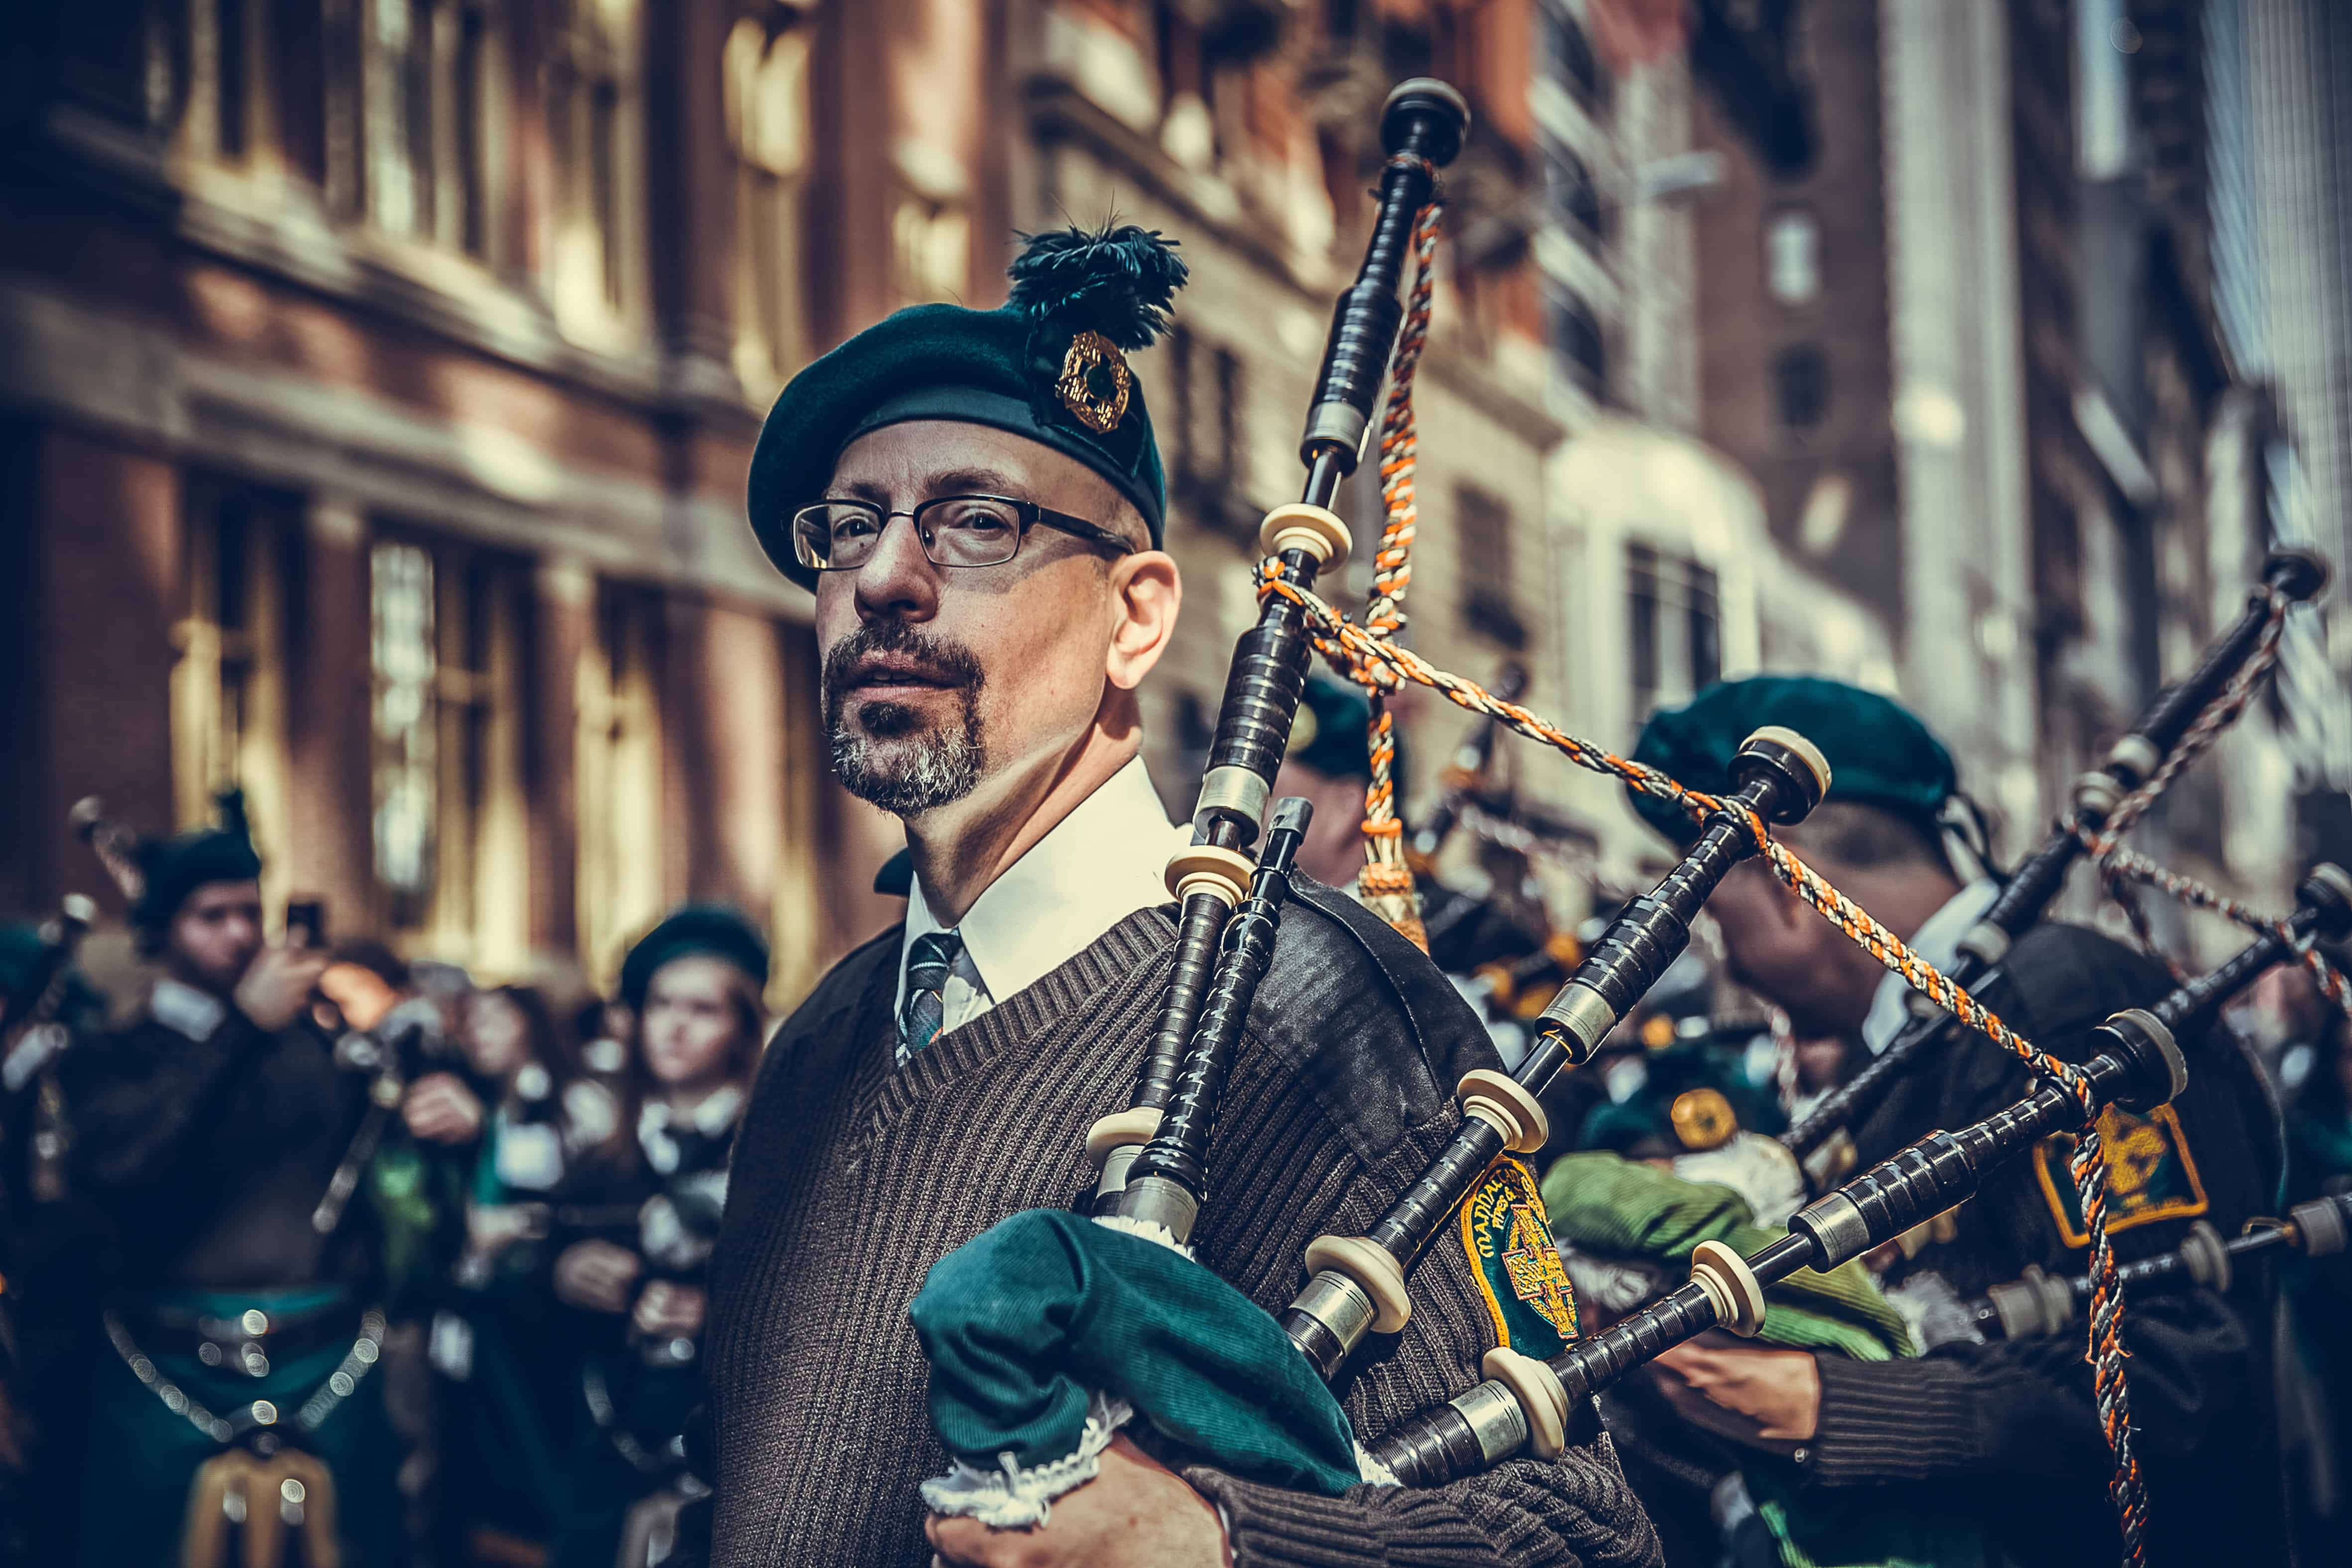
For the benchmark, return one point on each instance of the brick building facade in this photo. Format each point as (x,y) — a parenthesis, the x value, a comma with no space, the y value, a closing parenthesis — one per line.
(380,375)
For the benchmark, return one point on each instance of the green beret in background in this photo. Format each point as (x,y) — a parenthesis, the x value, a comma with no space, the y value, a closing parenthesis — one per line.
(174,868)
(1879,754)
(1049,365)
(699,929)
(1643,1124)
(1332,734)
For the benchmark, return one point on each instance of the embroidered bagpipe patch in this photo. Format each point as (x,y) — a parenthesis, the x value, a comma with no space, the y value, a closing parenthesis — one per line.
(1509,1245)
(2151,1174)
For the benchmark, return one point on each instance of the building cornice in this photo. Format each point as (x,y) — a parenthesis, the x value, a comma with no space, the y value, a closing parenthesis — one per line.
(296,243)
(140,382)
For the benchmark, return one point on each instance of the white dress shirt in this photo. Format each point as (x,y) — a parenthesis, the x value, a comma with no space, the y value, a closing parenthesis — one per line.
(1938,940)
(1093,869)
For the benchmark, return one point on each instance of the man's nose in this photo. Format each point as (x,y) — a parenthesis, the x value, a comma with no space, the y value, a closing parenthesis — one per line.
(897,579)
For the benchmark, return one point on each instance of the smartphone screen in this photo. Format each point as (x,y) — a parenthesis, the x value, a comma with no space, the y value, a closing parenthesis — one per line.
(306,922)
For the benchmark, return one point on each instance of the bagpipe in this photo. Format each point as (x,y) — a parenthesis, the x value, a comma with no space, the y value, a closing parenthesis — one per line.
(1151,1156)
(2038,1304)
(2141,1067)
(2181,722)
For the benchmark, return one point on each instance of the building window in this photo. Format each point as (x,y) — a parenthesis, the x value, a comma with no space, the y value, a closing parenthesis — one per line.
(596,121)
(227,691)
(215,48)
(1570,189)
(767,106)
(1569,60)
(930,248)
(1211,398)
(2105,39)
(1675,624)
(620,881)
(402,660)
(1792,256)
(446,657)
(1481,522)
(428,109)
(1800,386)
(1580,353)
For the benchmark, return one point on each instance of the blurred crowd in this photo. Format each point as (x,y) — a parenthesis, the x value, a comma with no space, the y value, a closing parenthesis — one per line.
(313,1255)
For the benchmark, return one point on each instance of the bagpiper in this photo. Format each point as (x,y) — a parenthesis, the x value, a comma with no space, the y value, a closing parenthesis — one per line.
(2003,1439)
(234,1412)
(981,670)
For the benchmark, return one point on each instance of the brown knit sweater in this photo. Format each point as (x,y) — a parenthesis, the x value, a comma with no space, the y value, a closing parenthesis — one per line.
(852,1176)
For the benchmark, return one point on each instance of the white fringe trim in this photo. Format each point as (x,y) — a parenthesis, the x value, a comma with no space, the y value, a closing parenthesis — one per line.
(1374,1473)
(1145,1228)
(1010,1498)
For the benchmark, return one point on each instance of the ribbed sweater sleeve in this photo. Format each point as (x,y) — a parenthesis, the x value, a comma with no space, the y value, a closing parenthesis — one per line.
(2025,1408)
(1575,1511)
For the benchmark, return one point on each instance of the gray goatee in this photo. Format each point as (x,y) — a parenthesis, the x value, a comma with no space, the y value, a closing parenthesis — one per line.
(893,755)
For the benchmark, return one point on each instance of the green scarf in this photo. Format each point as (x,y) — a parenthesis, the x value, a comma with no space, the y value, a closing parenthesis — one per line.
(1610,1206)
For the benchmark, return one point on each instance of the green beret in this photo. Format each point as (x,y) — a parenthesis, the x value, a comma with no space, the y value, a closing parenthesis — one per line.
(1330,735)
(171,869)
(697,930)
(1049,365)
(1879,754)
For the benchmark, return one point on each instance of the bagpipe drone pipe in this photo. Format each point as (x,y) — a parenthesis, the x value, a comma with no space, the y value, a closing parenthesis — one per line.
(1422,127)
(2181,721)
(2038,1303)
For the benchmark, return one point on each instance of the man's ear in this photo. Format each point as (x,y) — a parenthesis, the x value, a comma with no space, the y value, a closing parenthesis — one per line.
(1146,593)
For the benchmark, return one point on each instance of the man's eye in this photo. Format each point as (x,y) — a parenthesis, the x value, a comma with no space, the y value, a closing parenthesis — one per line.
(856,526)
(980,518)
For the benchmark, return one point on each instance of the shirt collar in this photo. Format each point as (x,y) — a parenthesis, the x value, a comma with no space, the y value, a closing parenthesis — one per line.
(1093,869)
(1937,941)
(185,1010)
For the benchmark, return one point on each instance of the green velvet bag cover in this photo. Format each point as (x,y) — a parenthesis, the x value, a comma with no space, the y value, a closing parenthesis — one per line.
(1027,1321)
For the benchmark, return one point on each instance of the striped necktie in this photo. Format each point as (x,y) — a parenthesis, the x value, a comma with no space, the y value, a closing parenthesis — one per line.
(931,958)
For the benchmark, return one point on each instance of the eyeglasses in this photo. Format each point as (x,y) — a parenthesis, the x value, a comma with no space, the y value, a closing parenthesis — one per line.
(956,530)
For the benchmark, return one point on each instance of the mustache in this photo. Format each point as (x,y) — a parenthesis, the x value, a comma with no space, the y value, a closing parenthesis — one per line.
(941,661)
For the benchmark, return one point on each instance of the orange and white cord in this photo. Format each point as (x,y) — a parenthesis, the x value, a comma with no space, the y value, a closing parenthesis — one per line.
(1386,882)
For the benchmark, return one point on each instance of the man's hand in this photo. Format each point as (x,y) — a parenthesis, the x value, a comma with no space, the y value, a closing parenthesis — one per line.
(440,1109)
(667,1311)
(1769,1399)
(278,985)
(597,1276)
(1138,1513)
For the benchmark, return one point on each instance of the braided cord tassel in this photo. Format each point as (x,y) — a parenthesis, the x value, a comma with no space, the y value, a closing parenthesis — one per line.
(1385,884)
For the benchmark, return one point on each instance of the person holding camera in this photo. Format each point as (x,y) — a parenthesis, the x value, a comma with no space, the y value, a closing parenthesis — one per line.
(231,1395)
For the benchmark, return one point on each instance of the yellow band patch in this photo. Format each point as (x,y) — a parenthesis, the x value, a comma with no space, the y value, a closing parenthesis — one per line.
(2151,1174)
(1507,1239)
